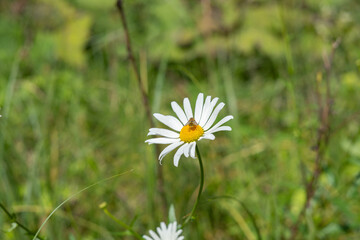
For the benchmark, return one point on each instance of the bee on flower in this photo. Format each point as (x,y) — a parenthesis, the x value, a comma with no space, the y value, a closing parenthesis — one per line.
(188,128)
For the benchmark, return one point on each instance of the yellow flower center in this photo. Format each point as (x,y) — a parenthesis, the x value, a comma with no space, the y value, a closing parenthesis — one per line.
(191,131)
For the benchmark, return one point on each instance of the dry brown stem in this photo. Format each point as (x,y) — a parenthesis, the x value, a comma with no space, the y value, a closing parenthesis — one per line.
(145,99)
(325,104)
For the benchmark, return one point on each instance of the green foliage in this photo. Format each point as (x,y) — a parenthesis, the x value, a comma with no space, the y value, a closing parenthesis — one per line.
(72,115)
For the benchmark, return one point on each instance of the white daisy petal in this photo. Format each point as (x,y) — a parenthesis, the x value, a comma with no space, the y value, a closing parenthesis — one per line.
(222,128)
(162,140)
(205,109)
(208,136)
(163,132)
(169,121)
(164,232)
(154,235)
(178,154)
(192,149)
(178,232)
(173,229)
(213,116)
(169,149)
(187,150)
(163,226)
(221,122)
(199,106)
(206,113)
(187,108)
(179,112)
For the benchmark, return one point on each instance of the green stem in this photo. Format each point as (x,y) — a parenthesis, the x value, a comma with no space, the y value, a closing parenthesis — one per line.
(200,189)
(13,219)
(124,225)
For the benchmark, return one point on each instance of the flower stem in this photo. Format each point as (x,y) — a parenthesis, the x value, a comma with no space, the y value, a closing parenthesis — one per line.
(124,225)
(200,188)
(14,220)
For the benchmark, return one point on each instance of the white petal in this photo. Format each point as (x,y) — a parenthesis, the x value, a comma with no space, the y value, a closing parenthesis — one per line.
(174,227)
(179,112)
(187,108)
(163,132)
(171,231)
(162,230)
(213,116)
(178,154)
(192,149)
(162,140)
(169,121)
(186,150)
(205,110)
(222,128)
(178,234)
(163,225)
(221,122)
(199,106)
(154,235)
(207,114)
(169,149)
(208,136)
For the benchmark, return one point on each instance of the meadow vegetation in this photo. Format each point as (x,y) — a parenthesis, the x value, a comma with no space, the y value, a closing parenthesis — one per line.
(73,115)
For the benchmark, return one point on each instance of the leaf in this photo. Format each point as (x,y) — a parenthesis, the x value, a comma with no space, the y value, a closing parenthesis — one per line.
(330,230)
(250,39)
(71,40)
(350,172)
(350,80)
(96,4)
(169,28)
(239,219)
(297,201)
(352,148)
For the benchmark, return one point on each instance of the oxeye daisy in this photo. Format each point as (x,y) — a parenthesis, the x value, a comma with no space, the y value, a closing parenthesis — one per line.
(188,128)
(165,233)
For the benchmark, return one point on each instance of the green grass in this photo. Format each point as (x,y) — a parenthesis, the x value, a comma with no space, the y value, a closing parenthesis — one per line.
(74,118)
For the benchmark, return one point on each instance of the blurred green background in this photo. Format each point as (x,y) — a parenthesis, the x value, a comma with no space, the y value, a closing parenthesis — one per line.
(73,115)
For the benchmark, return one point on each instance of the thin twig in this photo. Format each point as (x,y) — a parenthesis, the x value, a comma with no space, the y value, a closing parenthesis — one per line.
(145,99)
(12,217)
(322,140)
